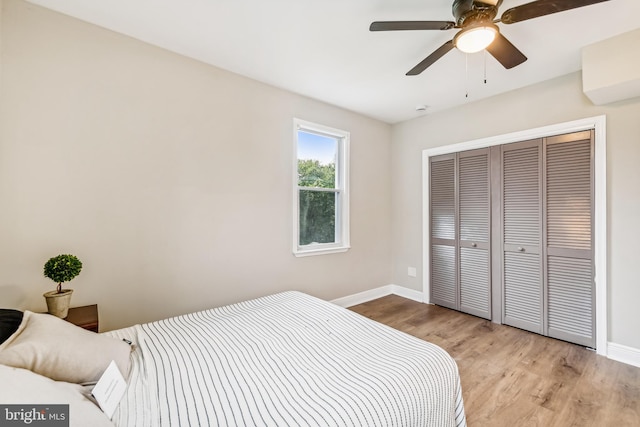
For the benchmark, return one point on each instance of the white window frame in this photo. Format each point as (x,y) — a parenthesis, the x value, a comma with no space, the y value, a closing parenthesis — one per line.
(341,188)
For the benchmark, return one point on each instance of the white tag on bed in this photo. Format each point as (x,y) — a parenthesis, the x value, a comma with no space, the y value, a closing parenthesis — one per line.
(109,389)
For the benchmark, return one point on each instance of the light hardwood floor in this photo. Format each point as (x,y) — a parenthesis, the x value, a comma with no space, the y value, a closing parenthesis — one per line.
(515,378)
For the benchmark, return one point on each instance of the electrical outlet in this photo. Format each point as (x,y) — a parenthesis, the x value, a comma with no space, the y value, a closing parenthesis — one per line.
(411,271)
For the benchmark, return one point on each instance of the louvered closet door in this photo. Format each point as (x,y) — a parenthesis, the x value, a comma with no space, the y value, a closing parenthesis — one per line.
(474,230)
(442,198)
(570,284)
(522,235)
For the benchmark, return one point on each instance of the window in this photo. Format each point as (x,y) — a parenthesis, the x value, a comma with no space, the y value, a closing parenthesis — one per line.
(321,197)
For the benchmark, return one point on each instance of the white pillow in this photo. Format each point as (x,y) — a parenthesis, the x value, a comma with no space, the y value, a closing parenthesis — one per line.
(20,386)
(59,350)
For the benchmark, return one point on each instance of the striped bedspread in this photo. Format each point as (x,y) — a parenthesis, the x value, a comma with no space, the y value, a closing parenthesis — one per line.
(286,360)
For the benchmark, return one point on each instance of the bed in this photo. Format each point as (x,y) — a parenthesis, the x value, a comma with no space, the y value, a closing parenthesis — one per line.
(287,359)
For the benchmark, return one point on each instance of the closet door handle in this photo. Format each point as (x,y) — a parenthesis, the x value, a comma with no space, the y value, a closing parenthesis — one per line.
(474,245)
(520,249)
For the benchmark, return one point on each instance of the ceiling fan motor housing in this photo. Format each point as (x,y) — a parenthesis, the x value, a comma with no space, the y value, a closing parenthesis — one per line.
(468,12)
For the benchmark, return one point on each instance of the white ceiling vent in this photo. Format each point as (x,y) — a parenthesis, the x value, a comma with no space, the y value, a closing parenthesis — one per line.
(611,69)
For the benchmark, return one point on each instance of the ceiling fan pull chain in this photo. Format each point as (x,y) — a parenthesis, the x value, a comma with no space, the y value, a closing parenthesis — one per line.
(466,75)
(484,57)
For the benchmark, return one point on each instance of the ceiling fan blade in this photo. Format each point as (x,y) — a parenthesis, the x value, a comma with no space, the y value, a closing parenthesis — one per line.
(542,8)
(426,63)
(505,52)
(410,25)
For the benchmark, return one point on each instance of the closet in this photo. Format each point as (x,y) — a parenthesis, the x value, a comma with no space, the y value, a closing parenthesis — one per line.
(530,204)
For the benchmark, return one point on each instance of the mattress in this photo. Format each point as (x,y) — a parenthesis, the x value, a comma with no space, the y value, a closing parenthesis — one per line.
(287,359)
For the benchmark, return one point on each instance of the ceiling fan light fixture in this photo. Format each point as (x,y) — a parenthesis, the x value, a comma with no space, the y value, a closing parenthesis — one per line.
(476,38)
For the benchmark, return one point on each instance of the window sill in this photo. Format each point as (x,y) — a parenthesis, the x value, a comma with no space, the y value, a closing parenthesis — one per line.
(320,251)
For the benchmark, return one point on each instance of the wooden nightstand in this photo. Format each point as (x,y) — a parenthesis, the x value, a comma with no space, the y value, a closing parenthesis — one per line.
(86,317)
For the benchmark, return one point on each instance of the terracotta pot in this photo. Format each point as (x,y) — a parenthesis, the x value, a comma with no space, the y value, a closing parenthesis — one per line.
(58,303)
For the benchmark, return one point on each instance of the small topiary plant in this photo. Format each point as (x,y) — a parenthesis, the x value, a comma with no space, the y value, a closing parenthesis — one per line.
(62,268)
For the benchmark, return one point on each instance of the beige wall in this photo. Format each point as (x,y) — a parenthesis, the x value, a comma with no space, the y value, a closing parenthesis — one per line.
(554,101)
(170,179)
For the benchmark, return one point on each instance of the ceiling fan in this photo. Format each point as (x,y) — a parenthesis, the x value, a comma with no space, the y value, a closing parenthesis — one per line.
(477,21)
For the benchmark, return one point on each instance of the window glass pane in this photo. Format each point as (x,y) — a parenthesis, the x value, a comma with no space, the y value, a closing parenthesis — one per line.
(316,160)
(317,217)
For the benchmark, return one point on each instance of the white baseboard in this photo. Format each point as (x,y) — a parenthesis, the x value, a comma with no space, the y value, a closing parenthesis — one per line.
(407,293)
(624,354)
(382,291)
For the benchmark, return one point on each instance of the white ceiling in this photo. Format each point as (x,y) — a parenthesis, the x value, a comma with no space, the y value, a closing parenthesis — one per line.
(323,48)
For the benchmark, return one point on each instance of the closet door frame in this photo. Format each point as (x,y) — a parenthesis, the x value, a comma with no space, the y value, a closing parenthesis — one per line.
(598,125)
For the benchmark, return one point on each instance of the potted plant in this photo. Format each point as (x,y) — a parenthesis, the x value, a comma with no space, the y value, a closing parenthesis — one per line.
(60,269)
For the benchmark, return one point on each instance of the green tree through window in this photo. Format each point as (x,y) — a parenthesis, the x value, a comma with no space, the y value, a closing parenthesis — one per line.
(317,208)
(320,188)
